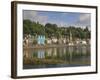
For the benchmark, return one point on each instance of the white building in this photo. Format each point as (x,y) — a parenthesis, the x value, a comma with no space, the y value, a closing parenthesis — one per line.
(84,42)
(54,40)
(49,41)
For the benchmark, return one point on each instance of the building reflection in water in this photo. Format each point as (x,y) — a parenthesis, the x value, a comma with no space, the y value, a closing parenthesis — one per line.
(67,54)
(41,54)
(60,52)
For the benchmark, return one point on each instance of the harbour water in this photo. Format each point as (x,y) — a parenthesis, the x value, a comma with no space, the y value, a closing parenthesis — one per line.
(67,56)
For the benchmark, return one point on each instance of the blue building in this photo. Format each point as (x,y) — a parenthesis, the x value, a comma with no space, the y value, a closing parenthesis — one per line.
(41,39)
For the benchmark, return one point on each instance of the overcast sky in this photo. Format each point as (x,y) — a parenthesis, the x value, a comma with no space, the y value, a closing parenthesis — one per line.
(59,18)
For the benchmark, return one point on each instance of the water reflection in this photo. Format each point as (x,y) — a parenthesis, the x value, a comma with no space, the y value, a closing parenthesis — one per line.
(40,54)
(57,57)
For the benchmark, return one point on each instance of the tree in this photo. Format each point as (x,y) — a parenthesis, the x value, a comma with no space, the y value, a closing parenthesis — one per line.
(52,30)
(27,26)
(87,33)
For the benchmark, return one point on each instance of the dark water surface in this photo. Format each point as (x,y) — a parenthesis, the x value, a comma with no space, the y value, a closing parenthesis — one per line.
(70,56)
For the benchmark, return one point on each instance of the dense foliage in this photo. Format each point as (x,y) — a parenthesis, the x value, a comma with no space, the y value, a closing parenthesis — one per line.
(52,30)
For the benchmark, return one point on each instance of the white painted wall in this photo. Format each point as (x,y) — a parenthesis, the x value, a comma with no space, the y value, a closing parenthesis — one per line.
(5,40)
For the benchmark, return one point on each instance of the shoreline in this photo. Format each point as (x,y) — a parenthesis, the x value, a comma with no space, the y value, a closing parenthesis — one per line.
(54,45)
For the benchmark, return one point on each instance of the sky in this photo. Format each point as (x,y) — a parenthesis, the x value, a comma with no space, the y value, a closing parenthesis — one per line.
(60,18)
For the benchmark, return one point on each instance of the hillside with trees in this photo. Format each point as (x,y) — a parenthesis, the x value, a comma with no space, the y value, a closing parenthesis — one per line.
(52,30)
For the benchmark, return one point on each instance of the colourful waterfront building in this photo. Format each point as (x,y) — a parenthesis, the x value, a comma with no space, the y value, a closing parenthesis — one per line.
(41,39)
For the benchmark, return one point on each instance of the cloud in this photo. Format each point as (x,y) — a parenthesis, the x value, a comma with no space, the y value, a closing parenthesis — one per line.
(84,17)
(84,20)
(73,19)
(34,16)
(29,14)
